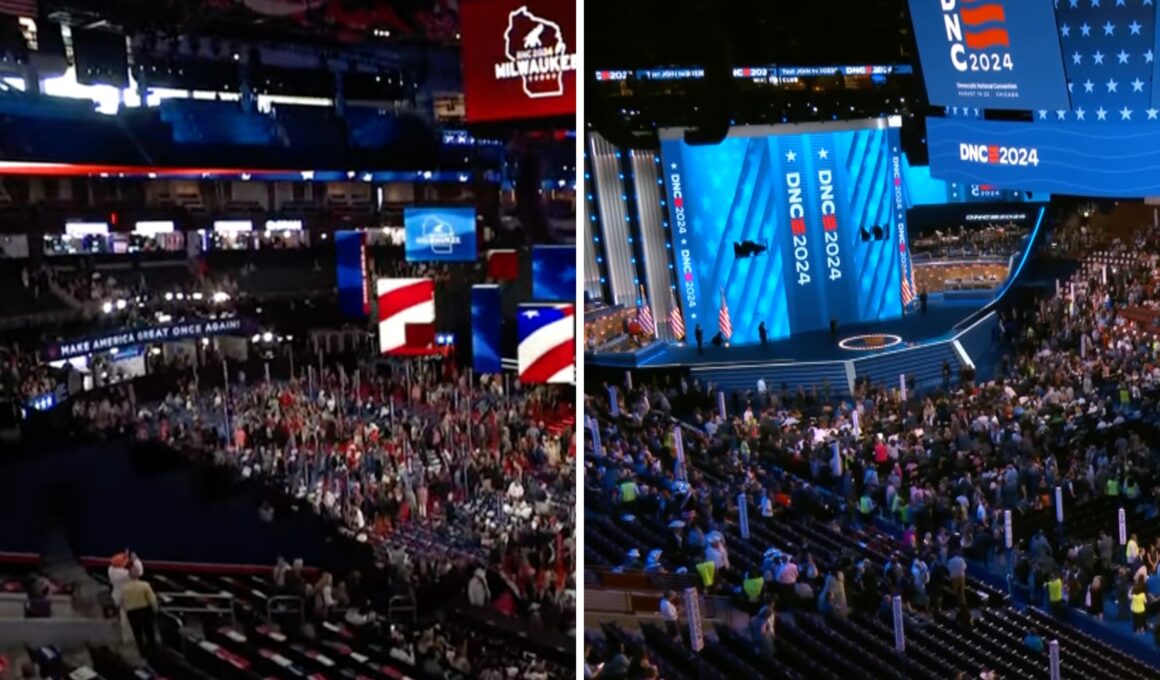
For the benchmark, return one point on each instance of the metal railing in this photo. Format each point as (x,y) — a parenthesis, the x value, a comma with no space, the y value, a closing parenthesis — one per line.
(400,605)
(285,604)
(200,603)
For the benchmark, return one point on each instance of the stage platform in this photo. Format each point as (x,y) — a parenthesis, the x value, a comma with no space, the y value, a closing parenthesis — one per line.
(916,344)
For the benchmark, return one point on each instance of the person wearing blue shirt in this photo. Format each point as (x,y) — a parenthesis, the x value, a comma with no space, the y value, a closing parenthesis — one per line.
(1153,584)
(1033,641)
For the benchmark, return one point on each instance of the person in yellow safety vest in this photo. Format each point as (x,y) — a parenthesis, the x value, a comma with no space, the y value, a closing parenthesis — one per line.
(1055,594)
(1112,487)
(752,586)
(1139,599)
(628,492)
(1131,488)
(865,506)
(1132,551)
(708,572)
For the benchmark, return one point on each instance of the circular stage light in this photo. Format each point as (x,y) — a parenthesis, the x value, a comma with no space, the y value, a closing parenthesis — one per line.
(870,342)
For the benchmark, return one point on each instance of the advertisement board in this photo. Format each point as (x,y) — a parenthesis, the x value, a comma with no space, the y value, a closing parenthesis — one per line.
(990,54)
(1115,160)
(519,58)
(440,234)
(796,225)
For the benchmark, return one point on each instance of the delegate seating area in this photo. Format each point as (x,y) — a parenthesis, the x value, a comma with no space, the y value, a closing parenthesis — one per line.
(228,624)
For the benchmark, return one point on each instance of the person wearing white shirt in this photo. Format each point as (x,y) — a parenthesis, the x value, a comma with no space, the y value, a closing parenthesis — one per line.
(119,573)
(669,614)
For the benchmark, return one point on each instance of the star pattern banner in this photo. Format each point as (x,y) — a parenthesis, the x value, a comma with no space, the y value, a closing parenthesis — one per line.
(1109,56)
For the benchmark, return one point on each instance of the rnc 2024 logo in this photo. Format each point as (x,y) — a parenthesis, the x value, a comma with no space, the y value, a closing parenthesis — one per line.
(977,33)
(536,54)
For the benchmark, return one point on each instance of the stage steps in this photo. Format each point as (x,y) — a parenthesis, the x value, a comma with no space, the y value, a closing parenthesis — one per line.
(924,363)
(804,374)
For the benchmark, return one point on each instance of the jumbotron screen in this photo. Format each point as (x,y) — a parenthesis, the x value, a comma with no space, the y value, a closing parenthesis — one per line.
(793,225)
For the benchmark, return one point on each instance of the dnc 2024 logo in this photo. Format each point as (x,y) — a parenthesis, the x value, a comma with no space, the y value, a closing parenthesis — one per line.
(977,33)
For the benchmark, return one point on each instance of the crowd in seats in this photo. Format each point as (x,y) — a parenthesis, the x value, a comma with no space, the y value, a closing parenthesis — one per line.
(1071,405)
(404,476)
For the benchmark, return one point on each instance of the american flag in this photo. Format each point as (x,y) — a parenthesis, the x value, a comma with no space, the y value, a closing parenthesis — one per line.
(547,349)
(676,320)
(908,293)
(1108,59)
(644,315)
(724,324)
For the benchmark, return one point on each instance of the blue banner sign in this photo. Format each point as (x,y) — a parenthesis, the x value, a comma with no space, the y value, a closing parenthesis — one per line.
(1115,160)
(351,265)
(486,328)
(440,234)
(554,273)
(994,54)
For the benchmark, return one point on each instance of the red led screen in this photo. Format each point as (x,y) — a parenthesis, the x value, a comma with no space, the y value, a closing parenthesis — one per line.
(519,58)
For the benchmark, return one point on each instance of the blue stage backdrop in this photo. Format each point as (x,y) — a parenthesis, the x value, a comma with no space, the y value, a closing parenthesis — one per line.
(991,54)
(813,196)
(486,328)
(554,273)
(351,256)
(1116,160)
(440,234)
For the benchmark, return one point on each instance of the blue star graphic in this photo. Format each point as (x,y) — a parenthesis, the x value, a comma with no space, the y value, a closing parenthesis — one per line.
(1109,28)
(1085,30)
(1123,57)
(1065,31)
(1134,27)
(1148,57)
(1112,85)
(1137,85)
(1088,85)
(1098,57)
(1101,114)
(1077,58)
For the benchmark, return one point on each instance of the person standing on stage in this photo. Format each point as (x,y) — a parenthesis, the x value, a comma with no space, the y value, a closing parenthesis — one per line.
(700,335)
(762,333)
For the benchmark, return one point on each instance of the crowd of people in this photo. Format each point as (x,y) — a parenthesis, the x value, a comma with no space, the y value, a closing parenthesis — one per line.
(433,472)
(1072,404)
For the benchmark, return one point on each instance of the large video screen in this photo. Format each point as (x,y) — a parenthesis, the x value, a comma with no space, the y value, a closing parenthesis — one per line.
(440,234)
(795,225)
(519,58)
(1116,160)
(991,54)
(921,188)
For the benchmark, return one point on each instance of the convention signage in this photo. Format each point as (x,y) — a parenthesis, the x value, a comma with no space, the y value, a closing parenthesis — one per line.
(128,337)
